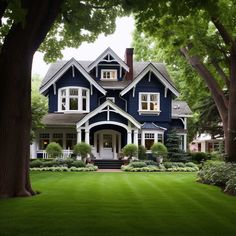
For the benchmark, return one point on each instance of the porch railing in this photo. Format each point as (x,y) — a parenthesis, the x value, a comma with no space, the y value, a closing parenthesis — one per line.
(43,154)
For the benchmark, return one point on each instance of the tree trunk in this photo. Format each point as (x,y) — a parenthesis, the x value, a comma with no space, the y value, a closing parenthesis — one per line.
(232,110)
(15,80)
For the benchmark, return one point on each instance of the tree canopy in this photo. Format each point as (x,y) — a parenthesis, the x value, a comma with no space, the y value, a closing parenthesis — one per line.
(204,33)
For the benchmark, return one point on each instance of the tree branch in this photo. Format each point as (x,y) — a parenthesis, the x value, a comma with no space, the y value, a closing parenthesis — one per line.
(221,73)
(227,38)
(217,94)
(3,7)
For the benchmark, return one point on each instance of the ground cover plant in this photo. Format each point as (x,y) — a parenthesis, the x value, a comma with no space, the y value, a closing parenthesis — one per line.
(117,204)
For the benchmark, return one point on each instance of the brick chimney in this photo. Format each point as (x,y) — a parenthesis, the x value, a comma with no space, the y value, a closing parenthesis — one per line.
(129,62)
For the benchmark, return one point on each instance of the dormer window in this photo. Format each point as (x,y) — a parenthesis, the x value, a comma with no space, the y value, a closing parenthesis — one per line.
(75,99)
(108,74)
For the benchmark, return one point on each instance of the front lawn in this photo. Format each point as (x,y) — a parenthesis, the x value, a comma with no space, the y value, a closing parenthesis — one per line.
(119,204)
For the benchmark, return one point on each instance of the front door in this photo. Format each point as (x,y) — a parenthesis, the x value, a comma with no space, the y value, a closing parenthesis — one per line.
(107,146)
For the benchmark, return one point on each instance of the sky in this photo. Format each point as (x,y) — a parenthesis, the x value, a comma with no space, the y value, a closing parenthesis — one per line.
(118,42)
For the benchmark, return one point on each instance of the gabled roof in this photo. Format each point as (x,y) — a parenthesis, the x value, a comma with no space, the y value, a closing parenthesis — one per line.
(115,108)
(151,125)
(180,109)
(59,71)
(151,67)
(115,57)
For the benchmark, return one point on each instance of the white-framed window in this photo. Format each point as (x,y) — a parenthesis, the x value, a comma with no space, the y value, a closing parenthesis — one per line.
(148,138)
(112,99)
(149,103)
(74,99)
(108,74)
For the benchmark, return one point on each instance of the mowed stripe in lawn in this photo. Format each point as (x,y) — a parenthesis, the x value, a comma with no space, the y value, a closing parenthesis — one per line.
(119,204)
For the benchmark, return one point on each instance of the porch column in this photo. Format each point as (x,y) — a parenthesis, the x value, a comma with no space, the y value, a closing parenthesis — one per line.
(129,136)
(136,137)
(87,136)
(185,142)
(78,135)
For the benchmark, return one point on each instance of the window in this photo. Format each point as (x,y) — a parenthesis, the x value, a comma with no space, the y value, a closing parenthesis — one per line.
(58,138)
(73,99)
(149,103)
(44,140)
(108,74)
(70,141)
(147,138)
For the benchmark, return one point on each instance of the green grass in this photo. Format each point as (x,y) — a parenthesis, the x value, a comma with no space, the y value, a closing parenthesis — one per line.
(119,204)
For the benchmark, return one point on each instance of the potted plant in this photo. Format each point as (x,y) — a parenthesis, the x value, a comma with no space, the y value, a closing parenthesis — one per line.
(159,151)
(130,150)
(54,150)
(82,149)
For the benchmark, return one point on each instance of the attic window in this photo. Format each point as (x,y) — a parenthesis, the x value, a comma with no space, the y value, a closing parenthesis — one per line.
(108,74)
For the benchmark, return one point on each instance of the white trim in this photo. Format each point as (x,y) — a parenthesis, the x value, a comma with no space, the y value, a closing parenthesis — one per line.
(54,89)
(108,122)
(185,140)
(148,69)
(116,109)
(111,71)
(79,96)
(154,132)
(112,99)
(148,111)
(104,54)
(176,116)
(60,72)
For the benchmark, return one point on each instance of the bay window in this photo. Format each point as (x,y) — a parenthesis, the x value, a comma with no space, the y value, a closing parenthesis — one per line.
(149,103)
(73,99)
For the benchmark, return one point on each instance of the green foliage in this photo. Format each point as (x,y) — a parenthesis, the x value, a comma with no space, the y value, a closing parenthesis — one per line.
(150,162)
(217,173)
(138,164)
(36,163)
(66,169)
(78,163)
(231,186)
(82,149)
(39,106)
(177,165)
(54,150)
(142,152)
(200,156)
(130,150)
(172,144)
(158,150)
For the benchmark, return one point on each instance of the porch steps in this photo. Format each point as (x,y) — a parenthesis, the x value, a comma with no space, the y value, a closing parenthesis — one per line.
(109,164)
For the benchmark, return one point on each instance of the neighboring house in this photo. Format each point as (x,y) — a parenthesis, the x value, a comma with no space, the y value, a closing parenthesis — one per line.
(205,143)
(109,103)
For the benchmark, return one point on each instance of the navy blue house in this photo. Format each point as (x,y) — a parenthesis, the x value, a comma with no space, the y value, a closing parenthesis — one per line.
(109,103)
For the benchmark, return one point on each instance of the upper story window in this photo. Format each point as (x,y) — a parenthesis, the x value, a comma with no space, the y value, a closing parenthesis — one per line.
(108,74)
(73,99)
(149,103)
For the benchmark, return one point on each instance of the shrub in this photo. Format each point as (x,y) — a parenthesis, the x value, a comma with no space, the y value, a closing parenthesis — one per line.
(78,163)
(82,149)
(130,150)
(48,163)
(199,156)
(231,186)
(215,156)
(150,162)
(159,151)
(217,173)
(190,164)
(138,164)
(54,150)
(36,163)
(142,152)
